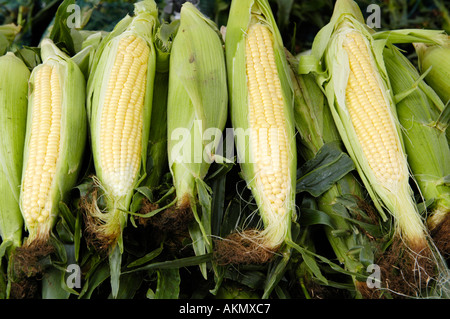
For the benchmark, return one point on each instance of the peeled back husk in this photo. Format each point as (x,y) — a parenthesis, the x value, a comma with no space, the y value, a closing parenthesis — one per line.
(196,116)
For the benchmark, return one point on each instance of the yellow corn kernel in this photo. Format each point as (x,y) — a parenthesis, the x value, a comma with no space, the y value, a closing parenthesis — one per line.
(266,108)
(122,116)
(44,146)
(369,112)
(375,127)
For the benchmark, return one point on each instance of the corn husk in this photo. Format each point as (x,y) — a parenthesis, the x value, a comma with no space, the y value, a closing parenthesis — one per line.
(433,59)
(196,116)
(425,142)
(13,116)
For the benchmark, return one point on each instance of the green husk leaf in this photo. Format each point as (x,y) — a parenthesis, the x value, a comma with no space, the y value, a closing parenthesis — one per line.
(61,33)
(176,263)
(412,35)
(328,166)
(168,286)
(196,106)
(197,97)
(8,33)
(427,145)
(433,59)
(147,258)
(13,113)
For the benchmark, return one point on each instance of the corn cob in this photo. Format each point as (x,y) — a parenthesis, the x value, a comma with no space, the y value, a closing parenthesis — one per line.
(13,116)
(426,145)
(196,106)
(436,57)
(55,139)
(119,104)
(359,96)
(261,97)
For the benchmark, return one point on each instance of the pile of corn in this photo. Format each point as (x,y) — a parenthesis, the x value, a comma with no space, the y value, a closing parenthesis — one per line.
(115,158)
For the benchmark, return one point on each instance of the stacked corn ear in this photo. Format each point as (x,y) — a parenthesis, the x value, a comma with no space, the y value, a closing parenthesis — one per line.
(119,105)
(426,144)
(196,116)
(359,95)
(433,58)
(13,118)
(55,140)
(261,102)
(316,128)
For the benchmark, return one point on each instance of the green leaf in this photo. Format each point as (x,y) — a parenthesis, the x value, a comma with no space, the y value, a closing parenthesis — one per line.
(147,258)
(309,261)
(61,34)
(115,262)
(444,118)
(30,56)
(218,187)
(129,284)
(4,248)
(168,286)
(77,235)
(276,273)
(329,165)
(52,282)
(177,263)
(97,275)
(252,278)
(68,219)
(315,217)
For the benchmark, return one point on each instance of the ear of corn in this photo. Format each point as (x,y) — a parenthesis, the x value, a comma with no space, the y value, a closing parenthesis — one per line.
(359,96)
(261,97)
(314,122)
(434,59)
(55,139)
(196,107)
(119,104)
(426,145)
(13,118)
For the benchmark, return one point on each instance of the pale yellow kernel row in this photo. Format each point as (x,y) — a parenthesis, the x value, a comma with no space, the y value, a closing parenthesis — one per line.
(44,145)
(370,112)
(266,117)
(121,119)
